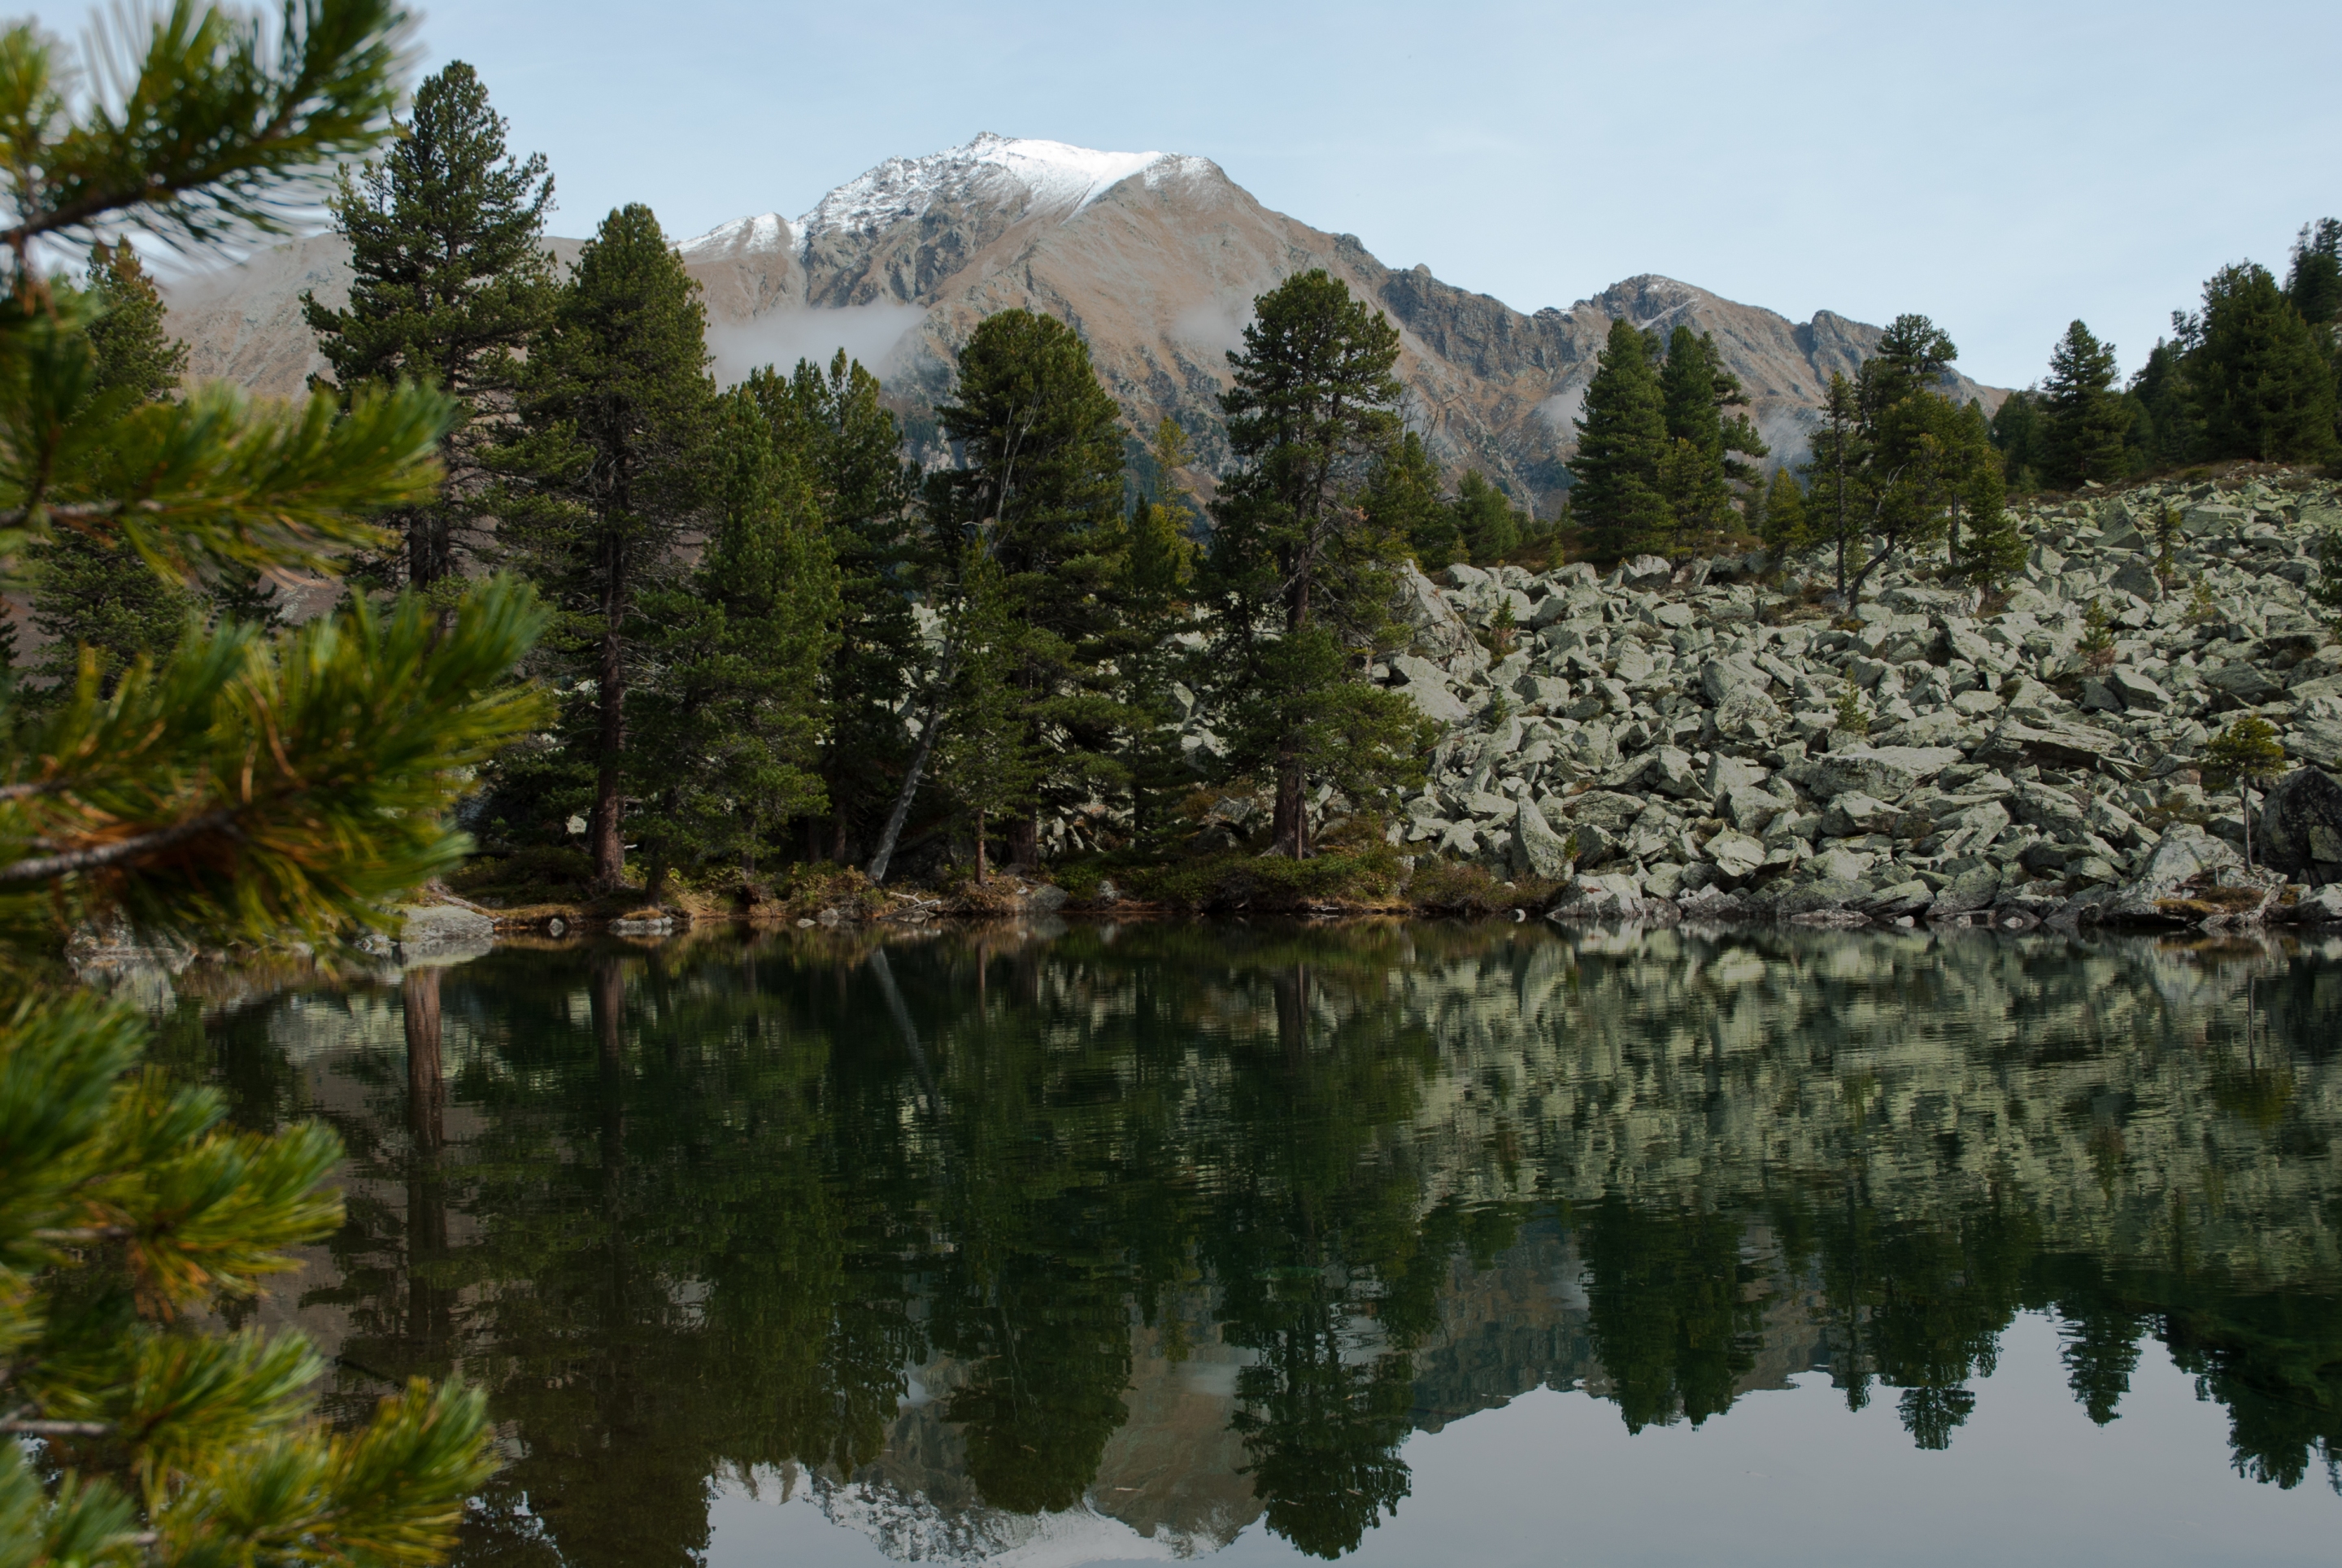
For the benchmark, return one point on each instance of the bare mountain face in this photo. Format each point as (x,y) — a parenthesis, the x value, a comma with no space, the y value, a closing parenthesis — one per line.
(1156,257)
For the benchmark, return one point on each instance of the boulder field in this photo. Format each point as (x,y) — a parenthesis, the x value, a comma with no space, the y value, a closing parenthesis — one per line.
(1717,741)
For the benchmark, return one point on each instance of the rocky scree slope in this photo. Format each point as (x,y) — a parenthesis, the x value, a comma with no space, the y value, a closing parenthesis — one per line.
(1670,747)
(1156,257)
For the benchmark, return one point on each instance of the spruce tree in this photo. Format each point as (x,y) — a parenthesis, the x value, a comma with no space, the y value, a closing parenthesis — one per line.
(450,283)
(245,788)
(1986,547)
(604,477)
(92,597)
(847,444)
(1299,577)
(723,727)
(1041,445)
(1403,500)
(1622,437)
(1837,501)
(2085,425)
(2261,379)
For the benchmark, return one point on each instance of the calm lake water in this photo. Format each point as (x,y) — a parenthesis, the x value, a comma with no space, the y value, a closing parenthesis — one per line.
(1412,1243)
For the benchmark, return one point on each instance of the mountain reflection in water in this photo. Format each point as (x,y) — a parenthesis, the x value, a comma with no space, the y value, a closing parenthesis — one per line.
(1190,1227)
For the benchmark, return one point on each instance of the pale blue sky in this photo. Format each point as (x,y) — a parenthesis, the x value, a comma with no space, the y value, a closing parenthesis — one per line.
(2001,168)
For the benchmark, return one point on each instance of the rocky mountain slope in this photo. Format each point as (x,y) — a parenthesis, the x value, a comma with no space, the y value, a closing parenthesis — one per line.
(1155,257)
(1675,743)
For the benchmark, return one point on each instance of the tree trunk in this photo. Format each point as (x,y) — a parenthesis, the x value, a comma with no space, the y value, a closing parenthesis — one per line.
(838,826)
(902,808)
(609,848)
(2244,809)
(1289,827)
(1023,846)
(430,1305)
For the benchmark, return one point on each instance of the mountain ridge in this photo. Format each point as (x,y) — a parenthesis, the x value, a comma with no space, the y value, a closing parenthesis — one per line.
(1156,257)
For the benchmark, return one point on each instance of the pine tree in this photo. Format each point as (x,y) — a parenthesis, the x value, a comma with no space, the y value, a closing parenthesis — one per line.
(450,281)
(988,758)
(91,597)
(1300,578)
(1622,437)
(2313,284)
(724,726)
(604,477)
(1152,580)
(1712,440)
(1837,471)
(2085,425)
(1782,525)
(2017,435)
(1041,442)
(2259,375)
(1403,500)
(850,448)
(243,788)
(1489,525)
(2171,432)
(1987,550)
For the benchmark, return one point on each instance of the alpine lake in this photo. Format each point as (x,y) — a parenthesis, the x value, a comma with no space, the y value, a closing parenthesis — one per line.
(1407,1242)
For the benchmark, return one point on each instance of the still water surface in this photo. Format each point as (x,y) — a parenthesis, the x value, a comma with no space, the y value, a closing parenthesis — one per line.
(1410,1244)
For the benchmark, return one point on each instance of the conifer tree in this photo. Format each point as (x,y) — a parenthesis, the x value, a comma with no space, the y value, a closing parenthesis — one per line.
(1299,576)
(450,280)
(2260,377)
(2018,436)
(1784,527)
(988,756)
(2170,432)
(1836,502)
(2085,425)
(241,787)
(90,592)
(1403,500)
(605,475)
(850,448)
(1622,437)
(1041,442)
(725,725)
(1986,547)
(1152,578)
(1487,521)
(2313,284)
(1702,403)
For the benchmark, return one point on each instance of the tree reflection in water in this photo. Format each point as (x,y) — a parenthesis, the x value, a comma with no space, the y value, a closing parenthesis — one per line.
(934,1218)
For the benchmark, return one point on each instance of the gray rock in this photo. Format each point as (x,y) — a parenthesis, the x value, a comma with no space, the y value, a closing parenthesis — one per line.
(1538,849)
(1833,774)
(2135,690)
(1645,571)
(1727,772)
(2318,742)
(2301,827)
(2051,744)
(1852,814)
(2321,906)
(430,928)
(2050,809)
(1899,899)
(1749,809)
(2184,854)
(1736,854)
(1968,891)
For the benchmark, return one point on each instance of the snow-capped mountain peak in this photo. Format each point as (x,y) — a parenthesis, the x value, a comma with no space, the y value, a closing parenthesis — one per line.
(1053,176)
(763,231)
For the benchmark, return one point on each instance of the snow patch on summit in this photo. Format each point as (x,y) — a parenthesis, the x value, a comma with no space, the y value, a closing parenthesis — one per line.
(765,231)
(1054,175)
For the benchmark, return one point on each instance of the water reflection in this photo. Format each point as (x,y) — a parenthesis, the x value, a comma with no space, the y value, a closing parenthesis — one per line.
(1194,1226)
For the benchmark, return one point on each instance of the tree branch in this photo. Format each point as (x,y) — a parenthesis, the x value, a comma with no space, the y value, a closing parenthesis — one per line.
(45,868)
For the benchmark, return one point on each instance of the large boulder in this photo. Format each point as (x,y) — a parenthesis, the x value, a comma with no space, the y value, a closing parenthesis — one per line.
(444,929)
(2301,827)
(2317,741)
(1436,627)
(2053,745)
(1538,849)
(2186,856)
(1883,773)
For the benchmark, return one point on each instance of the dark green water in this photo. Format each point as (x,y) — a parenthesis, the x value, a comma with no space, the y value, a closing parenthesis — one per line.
(1425,1244)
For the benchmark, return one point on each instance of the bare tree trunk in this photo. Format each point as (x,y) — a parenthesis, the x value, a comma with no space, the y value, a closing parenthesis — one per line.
(902,808)
(981,876)
(608,845)
(2244,810)
(1024,841)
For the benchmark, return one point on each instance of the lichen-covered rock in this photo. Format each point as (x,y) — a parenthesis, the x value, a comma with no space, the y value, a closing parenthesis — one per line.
(2301,827)
(2184,856)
